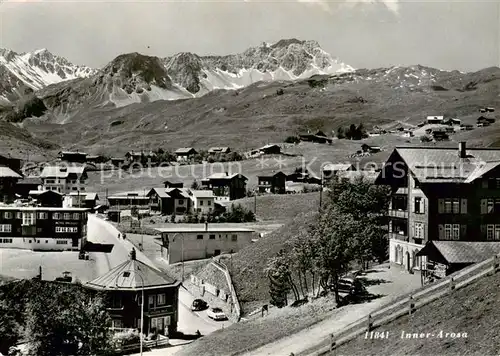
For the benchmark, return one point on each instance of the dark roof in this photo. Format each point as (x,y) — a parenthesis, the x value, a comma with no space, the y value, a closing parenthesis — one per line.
(442,164)
(30,180)
(462,251)
(139,274)
(185,150)
(272,174)
(6,172)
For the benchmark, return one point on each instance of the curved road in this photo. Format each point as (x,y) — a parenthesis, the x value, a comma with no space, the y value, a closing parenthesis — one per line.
(100,231)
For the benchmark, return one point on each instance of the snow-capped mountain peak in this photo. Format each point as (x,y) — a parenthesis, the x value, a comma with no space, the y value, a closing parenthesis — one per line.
(35,70)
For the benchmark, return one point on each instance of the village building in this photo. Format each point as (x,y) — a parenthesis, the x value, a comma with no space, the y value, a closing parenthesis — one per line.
(47,198)
(12,163)
(431,120)
(440,135)
(272,183)
(441,194)
(185,153)
(128,201)
(184,243)
(8,181)
(215,150)
(139,157)
(172,184)
(319,137)
(226,186)
(124,287)
(202,201)
(117,161)
(303,175)
(82,200)
(96,159)
(27,184)
(43,228)
(270,149)
(332,169)
(74,157)
(169,201)
(370,149)
(64,179)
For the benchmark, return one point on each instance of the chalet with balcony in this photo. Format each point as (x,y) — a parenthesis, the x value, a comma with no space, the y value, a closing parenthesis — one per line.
(73,157)
(47,198)
(272,183)
(433,120)
(169,201)
(443,195)
(128,201)
(123,287)
(83,200)
(226,186)
(303,175)
(8,181)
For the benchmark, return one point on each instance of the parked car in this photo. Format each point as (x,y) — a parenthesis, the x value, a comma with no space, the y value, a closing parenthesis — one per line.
(351,286)
(216,314)
(199,304)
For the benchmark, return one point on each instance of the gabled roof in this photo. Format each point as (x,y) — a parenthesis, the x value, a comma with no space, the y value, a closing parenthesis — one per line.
(61,171)
(131,275)
(462,251)
(6,172)
(272,174)
(30,180)
(161,192)
(335,167)
(218,149)
(183,192)
(268,146)
(202,193)
(439,164)
(185,150)
(435,117)
(37,193)
(225,175)
(87,196)
(72,153)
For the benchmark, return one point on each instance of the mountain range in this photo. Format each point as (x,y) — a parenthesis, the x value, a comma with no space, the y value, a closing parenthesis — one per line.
(242,100)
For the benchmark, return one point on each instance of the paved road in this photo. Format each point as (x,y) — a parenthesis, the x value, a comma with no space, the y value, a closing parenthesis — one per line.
(100,231)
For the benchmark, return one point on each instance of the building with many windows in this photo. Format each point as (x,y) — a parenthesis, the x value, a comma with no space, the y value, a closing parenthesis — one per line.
(64,179)
(450,195)
(42,228)
(123,287)
(184,242)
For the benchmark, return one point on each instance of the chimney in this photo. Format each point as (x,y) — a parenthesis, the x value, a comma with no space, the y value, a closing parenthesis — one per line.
(462,152)
(206,226)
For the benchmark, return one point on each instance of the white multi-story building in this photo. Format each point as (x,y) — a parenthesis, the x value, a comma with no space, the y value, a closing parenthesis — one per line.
(202,201)
(184,242)
(64,179)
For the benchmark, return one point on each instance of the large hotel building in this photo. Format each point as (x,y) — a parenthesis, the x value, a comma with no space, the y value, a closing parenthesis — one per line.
(43,228)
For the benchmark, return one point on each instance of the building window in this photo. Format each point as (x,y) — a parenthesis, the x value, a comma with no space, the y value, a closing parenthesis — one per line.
(199,237)
(447,232)
(418,205)
(28,218)
(56,216)
(161,299)
(19,215)
(6,241)
(201,202)
(212,237)
(116,324)
(490,232)
(419,230)
(234,237)
(5,228)
(61,242)
(181,202)
(151,302)
(67,216)
(76,216)
(8,215)
(209,202)
(42,216)
(456,232)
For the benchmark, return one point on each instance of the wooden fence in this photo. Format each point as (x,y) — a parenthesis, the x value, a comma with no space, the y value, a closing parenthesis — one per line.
(407,304)
(146,345)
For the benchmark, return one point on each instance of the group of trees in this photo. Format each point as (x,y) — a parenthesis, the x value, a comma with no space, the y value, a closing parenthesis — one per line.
(349,230)
(53,319)
(236,214)
(353,132)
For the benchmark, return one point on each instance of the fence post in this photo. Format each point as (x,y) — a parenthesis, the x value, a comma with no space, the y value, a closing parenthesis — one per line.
(332,343)
(452,284)
(411,305)
(495,264)
(370,323)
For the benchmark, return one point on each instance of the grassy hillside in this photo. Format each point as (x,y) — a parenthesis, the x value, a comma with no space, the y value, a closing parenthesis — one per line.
(258,114)
(247,266)
(474,310)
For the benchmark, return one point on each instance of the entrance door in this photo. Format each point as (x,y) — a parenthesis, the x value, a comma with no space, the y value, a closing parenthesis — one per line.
(407,260)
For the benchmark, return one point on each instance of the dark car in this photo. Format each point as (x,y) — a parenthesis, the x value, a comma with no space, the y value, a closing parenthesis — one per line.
(199,304)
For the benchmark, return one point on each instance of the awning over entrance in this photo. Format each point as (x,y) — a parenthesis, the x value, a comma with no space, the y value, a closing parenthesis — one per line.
(459,252)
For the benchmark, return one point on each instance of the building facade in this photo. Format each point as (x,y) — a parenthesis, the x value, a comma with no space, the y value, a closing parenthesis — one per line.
(184,243)
(64,179)
(226,186)
(127,202)
(42,228)
(272,183)
(441,194)
(8,181)
(202,201)
(123,287)
(170,201)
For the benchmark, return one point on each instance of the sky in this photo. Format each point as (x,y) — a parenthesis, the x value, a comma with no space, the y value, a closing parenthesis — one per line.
(447,35)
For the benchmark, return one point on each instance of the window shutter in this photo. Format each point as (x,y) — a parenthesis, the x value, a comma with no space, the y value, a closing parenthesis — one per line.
(413,205)
(390,226)
(441,232)
(463,232)
(485,183)
(463,208)
(484,206)
(483,231)
(440,206)
(412,229)
(422,205)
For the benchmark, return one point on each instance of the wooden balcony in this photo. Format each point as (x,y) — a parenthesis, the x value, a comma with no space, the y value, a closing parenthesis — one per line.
(403,214)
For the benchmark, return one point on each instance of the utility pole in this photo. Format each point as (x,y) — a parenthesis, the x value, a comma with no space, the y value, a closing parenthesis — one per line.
(255,204)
